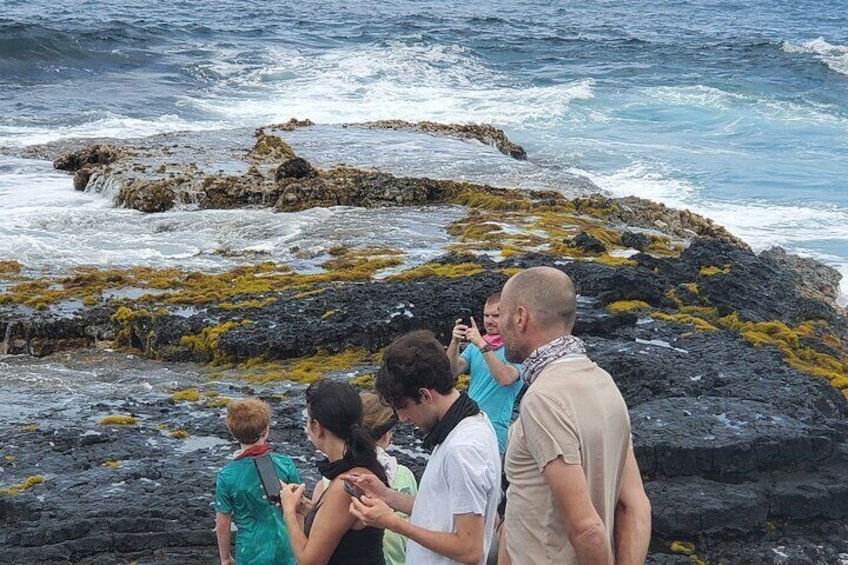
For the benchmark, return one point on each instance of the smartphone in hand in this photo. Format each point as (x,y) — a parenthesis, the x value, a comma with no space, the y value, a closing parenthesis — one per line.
(465,315)
(353,490)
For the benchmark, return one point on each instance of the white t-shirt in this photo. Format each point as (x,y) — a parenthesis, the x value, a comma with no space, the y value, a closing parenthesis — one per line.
(463,476)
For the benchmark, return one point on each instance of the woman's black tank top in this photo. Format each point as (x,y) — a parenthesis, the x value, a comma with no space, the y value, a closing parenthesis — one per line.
(357,547)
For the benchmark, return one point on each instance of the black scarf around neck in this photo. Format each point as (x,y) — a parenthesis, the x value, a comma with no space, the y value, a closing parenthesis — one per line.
(459,410)
(331,470)
(336,468)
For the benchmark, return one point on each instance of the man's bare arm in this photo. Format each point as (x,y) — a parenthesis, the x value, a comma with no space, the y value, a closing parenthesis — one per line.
(585,529)
(504,373)
(632,517)
(464,544)
(458,364)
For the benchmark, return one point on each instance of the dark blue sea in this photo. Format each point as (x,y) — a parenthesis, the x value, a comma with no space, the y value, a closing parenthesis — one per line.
(735,109)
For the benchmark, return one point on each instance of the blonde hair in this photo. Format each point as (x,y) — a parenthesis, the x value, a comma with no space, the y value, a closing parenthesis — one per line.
(377,418)
(248,419)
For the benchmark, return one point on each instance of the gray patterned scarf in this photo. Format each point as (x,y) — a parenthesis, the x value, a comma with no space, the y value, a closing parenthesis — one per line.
(551,351)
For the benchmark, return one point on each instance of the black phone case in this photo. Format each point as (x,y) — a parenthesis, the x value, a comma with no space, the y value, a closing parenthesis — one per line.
(465,314)
(352,489)
(268,478)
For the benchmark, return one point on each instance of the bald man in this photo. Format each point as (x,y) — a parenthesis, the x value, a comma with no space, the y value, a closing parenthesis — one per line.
(575,493)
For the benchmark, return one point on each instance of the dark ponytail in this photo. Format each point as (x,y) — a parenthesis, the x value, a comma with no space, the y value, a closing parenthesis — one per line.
(336,406)
(360,445)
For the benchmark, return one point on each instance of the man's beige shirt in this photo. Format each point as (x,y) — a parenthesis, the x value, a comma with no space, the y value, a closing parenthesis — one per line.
(575,411)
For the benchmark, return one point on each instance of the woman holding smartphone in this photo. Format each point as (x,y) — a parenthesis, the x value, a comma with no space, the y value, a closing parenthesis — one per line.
(329,534)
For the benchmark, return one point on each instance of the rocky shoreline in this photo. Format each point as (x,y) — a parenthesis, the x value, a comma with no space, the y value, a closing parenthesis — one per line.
(734,365)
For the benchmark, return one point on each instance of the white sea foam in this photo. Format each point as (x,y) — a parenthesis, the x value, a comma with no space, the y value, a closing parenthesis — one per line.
(745,105)
(416,82)
(49,227)
(101,124)
(651,181)
(802,229)
(834,56)
(698,95)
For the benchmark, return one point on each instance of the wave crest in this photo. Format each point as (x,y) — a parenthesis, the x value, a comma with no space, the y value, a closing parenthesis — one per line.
(418,81)
(834,56)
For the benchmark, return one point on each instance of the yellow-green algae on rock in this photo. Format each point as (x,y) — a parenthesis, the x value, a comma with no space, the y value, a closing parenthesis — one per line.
(173,286)
(789,342)
(684,547)
(831,366)
(118,420)
(217,402)
(186,395)
(440,270)
(627,306)
(10,267)
(27,484)
(546,229)
(712,270)
(303,369)
(206,342)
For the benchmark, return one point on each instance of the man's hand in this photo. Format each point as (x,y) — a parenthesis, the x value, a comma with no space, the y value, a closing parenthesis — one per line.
(372,512)
(228,561)
(472,334)
(290,496)
(459,331)
(371,484)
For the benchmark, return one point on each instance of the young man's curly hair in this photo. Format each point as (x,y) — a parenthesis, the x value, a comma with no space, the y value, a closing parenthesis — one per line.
(411,362)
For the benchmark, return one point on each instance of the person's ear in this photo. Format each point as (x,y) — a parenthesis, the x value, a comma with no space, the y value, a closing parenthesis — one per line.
(522,317)
(425,395)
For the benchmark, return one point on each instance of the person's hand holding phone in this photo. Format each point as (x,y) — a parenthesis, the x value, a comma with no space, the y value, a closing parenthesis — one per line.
(351,488)
(461,325)
(370,485)
(472,334)
(290,496)
(373,512)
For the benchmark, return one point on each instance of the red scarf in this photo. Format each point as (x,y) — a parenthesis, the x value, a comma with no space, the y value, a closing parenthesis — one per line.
(494,341)
(252,451)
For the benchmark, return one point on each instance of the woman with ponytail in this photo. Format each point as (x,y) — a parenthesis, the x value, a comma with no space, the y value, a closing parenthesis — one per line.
(329,533)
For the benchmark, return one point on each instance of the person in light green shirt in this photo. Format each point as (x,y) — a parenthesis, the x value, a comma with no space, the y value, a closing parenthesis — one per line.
(379,420)
(261,538)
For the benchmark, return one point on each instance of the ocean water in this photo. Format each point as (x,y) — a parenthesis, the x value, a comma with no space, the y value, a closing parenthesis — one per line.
(737,110)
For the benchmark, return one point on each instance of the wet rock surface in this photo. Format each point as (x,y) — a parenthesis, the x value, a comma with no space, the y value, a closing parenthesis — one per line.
(733,365)
(484,133)
(733,442)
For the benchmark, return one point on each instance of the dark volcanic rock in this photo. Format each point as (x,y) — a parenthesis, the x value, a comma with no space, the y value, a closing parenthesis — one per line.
(92,155)
(684,508)
(120,494)
(81,177)
(588,243)
(817,280)
(715,364)
(720,436)
(295,168)
(777,295)
(358,188)
(484,133)
(635,240)
(743,453)
(219,192)
(365,316)
(154,196)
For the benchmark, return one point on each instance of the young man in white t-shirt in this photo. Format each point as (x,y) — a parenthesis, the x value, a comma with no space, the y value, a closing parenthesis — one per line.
(452,516)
